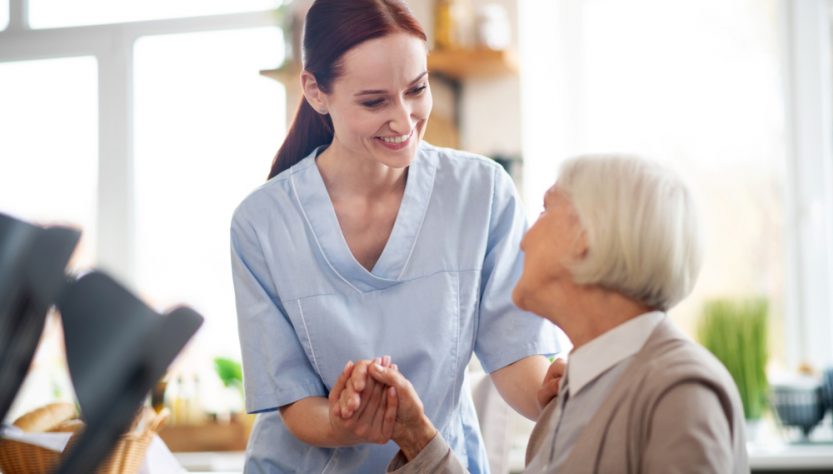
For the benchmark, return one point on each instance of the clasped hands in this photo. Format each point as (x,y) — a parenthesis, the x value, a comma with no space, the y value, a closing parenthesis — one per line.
(373,402)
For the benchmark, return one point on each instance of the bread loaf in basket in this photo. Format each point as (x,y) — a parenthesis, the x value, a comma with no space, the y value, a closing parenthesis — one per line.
(17,457)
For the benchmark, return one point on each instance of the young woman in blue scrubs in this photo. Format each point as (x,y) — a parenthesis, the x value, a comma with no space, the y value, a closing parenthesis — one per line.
(368,241)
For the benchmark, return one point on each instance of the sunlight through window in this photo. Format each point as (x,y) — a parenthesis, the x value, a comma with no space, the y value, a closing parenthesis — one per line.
(4,14)
(49,145)
(674,81)
(207,126)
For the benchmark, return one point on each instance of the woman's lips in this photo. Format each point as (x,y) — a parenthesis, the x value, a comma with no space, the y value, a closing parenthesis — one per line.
(395,142)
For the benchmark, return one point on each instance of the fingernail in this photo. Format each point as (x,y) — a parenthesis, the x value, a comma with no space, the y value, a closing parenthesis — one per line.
(379,368)
(386,360)
(393,391)
(348,364)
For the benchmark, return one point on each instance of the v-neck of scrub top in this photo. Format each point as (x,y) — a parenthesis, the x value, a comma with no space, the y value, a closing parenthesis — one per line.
(314,199)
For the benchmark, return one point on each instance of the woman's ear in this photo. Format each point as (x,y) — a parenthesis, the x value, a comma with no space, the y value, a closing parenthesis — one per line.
(580,249)
(316,98)
(580,245)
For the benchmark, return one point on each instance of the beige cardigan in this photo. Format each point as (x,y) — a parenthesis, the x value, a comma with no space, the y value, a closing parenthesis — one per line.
(675,409)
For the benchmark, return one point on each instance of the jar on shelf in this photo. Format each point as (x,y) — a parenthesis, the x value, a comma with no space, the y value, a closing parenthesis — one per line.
(492,27)
(452,24)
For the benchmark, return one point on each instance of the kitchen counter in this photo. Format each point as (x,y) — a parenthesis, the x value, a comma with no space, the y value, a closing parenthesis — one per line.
(214,462)
(769,459)
(770,455)
(792,458)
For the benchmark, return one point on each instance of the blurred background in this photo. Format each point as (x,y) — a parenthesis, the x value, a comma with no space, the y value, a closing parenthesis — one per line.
(146,123)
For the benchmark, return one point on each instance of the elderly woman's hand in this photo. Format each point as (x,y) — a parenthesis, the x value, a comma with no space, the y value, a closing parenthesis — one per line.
(412,430)
(372,421)
(549,387)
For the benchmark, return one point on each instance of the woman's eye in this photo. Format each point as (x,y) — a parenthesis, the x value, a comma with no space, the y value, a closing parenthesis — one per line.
(373,103)
(418,90)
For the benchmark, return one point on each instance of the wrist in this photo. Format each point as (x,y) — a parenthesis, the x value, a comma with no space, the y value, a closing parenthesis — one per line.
(411,442)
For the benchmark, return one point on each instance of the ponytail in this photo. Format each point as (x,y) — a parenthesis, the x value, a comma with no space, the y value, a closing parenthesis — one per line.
(308,131)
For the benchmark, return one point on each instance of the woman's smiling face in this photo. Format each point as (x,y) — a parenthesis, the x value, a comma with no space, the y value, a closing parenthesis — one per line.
(381,101)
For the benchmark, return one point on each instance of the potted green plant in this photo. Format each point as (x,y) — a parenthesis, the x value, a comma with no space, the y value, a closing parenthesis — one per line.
(231,374)
(735,331)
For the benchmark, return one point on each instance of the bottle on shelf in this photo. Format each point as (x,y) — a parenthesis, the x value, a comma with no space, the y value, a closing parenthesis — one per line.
(453,24)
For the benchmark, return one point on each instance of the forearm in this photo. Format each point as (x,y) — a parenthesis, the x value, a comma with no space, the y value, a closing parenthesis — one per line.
(518,384)
(309,420)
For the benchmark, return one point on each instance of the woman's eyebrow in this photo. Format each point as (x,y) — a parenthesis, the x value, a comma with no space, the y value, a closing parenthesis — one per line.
(382,91)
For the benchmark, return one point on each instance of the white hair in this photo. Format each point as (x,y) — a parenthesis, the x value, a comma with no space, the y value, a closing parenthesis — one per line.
(641,224)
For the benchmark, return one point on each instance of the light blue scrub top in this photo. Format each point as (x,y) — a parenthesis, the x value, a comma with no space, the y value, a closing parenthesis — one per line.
(440,290)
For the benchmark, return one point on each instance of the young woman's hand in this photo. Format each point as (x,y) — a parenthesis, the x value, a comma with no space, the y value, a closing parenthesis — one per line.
(372,421)
(351,396)
(549,386)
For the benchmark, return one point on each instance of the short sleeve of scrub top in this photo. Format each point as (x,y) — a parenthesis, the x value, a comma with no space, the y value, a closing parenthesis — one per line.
(439,292)
(273,378)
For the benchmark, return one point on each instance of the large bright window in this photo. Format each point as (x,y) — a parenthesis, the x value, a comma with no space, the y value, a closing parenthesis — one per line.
(49,144)
(49,175)
(697,85)
(4,14)
(145,134)
(59,13)
(706,99)
(207,126)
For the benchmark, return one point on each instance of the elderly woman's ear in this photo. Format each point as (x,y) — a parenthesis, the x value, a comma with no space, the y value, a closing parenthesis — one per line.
(580,247)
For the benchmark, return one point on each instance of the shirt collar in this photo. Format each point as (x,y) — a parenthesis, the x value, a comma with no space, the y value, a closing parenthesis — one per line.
(599,355)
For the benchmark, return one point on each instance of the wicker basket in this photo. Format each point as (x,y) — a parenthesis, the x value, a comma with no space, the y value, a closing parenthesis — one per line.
(24,458)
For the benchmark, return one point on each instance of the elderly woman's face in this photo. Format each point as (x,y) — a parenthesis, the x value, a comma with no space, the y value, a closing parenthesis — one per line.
(555,239)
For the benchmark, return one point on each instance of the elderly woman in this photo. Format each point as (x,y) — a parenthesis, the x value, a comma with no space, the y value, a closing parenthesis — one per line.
(617,245)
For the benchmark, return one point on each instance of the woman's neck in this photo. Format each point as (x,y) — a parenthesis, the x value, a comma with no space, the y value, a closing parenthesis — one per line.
(346,174)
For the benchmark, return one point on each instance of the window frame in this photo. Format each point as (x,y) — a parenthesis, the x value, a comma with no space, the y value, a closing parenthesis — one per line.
(807,46)
(112,47)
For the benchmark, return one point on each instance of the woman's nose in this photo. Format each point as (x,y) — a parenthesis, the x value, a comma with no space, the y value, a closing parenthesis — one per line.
(402,121)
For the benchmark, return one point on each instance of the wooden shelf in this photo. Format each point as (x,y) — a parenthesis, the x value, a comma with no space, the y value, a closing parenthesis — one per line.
(453,63)
(286,74)
(463,63)
(209,436)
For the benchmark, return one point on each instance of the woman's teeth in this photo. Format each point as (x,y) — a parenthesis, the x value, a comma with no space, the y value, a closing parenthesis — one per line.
(398,139)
